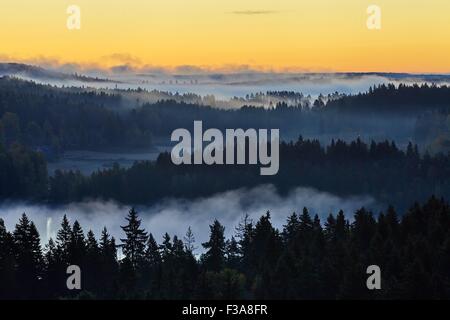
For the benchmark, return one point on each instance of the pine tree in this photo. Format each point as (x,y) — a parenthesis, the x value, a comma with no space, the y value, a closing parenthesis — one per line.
(342,227)
(291,229)
(214,258)
(91,263)
(77,248)
(108,266)
(265,252)
(107,246)
(166,248)
(64,241)
(233,258)
(92,248)
(152,254)
(306,224)
(267,244)
(363,229)
(392,223)
(133,246)
(168,267)
(330,228)
(189,241)
(29,258)
(7,263)
(318,240)
(245,234)
(153,265)
(182,284)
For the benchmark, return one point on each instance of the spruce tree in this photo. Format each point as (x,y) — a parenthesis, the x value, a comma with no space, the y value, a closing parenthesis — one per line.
(107,246)
(29,258)
(245,234)
(290,230)
(133,246)
(166,248)
(267,244)
(64,241)
(108,266)
(91,263)
(305,224)
(214,257)
(53,273)
(77,246)
(189,241)
(153,265)
(330,228)
(8,288)
(152,254)
(233,258)
(92,248)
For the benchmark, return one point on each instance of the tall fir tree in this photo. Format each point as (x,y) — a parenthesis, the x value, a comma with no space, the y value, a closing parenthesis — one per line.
(108,265)
(153,265)
(214,257)
(91,263)
(232,253)
(189,241)
(64,241)
(77,247)
(133,246)
(291,229)
(29,259)
(8,287)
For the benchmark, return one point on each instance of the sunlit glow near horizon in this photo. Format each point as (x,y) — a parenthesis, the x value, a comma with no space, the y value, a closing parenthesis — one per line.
(286,35)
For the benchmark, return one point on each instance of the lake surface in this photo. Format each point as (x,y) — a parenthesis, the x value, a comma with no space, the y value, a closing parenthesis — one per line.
(89,161)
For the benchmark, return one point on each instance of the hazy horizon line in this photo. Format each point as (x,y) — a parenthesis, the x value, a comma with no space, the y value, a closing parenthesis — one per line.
(133,67)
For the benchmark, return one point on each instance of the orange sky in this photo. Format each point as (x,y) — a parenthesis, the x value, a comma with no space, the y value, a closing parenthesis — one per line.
(311,35)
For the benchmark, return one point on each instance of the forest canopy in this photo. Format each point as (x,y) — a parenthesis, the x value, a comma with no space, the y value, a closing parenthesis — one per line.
(306,259)
(63,118)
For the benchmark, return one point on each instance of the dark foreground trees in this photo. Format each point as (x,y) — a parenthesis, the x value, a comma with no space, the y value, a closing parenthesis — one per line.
(307,259)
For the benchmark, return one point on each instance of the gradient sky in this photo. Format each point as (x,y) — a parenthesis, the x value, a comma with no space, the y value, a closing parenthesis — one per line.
(310,35)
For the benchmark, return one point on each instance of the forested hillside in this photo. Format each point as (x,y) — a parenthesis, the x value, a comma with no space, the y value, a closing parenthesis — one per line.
(76,118)
(63,118)
(382,170)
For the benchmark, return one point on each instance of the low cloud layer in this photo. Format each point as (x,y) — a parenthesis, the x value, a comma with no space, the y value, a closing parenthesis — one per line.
(176,215)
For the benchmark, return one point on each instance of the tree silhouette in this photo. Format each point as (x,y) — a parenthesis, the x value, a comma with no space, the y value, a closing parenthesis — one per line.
(133,246)
(306,260)
(214,257)
(29,258)
(7,263)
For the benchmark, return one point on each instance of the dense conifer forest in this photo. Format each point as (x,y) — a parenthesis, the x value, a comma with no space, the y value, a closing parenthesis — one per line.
(306,259)
(63,118)
(391,175)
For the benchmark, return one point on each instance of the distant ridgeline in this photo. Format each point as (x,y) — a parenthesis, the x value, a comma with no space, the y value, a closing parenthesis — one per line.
(55,119)
(382,170)
(413,99)
(61,118)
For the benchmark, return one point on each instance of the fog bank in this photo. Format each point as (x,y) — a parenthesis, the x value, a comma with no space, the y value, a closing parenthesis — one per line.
(176,215)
